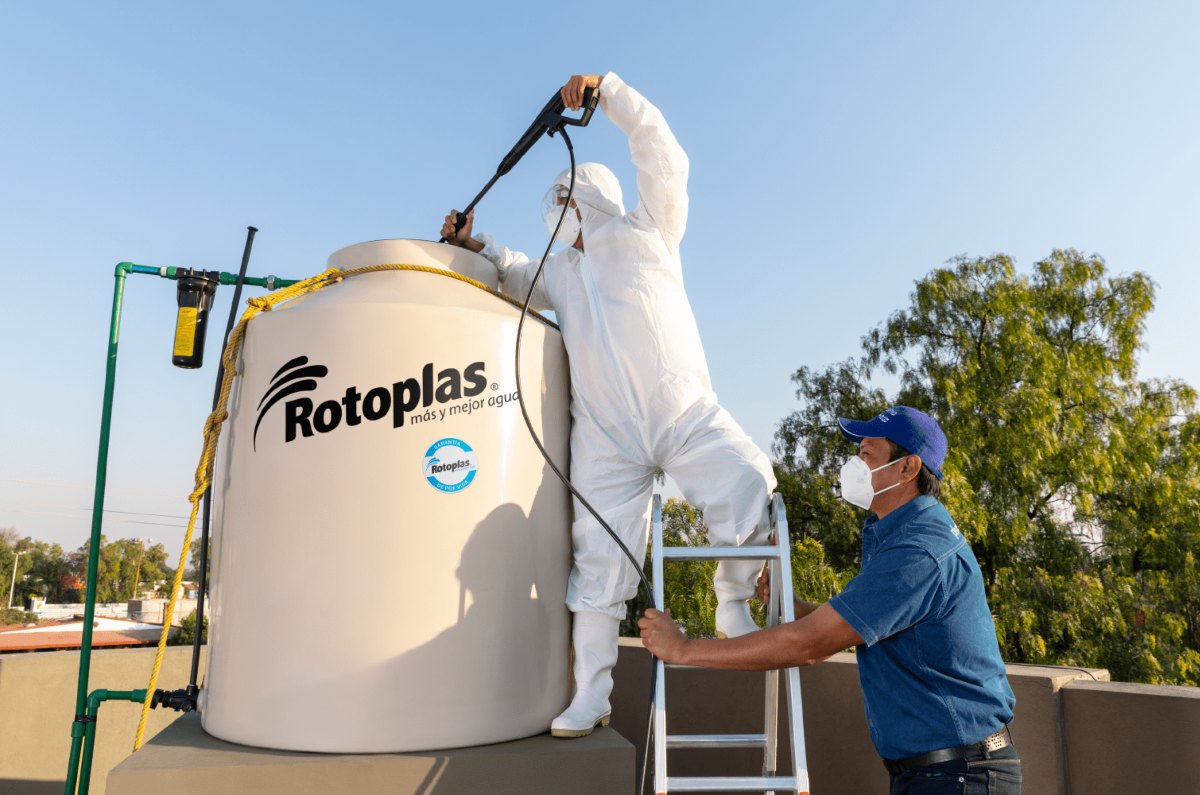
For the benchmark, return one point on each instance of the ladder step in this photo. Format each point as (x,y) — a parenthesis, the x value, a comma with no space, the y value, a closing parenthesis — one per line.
(716,741)
(721,553)
(731,783)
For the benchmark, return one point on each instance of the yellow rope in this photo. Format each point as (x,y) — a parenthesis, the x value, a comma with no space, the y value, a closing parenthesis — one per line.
(438,271)
(212,426)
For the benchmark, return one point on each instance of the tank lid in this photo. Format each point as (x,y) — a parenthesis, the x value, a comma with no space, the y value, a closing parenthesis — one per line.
(416,252)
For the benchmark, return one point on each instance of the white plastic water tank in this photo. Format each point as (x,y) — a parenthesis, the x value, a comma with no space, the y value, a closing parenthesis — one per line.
(390,551)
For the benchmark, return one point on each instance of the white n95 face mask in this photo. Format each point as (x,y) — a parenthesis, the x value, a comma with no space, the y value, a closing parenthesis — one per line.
(569,231)
(855,480)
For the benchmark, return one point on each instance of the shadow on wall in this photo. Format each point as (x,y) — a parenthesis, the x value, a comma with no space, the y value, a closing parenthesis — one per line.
(25,786)
(427,785)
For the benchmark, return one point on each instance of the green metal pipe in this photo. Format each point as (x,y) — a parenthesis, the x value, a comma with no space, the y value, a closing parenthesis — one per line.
(269,282)
(82,727)
(89,742)
(89,609)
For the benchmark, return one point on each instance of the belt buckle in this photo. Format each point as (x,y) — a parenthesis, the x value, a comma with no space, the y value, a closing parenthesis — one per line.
(996,741)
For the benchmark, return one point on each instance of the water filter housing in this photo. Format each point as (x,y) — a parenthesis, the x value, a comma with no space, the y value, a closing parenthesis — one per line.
(390,550)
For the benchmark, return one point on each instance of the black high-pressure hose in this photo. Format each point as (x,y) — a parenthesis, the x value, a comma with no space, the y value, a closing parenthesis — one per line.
(637,565)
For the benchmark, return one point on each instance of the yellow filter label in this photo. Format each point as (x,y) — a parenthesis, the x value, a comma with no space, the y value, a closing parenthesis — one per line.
(185,332)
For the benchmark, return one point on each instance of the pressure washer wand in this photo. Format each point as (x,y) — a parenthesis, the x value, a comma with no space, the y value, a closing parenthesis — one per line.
(550,120)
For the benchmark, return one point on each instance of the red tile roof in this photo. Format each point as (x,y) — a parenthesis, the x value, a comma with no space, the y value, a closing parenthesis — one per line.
(13,640)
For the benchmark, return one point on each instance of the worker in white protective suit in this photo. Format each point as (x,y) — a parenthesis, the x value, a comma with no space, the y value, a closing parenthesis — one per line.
(641,396)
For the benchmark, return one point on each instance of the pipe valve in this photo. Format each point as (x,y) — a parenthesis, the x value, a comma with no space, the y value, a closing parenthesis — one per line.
(178,700)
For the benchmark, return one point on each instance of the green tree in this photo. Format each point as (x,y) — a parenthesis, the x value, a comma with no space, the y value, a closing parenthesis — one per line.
(688,585)
(122,566)
(1077,485)
(186,635)
(50,574)
(14,566)
(192,572)
(15,616)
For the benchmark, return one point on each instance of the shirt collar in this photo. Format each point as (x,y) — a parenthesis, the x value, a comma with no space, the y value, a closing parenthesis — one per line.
(897,518)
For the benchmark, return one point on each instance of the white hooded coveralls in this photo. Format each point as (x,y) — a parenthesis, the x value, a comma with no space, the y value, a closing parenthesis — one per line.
(641,395)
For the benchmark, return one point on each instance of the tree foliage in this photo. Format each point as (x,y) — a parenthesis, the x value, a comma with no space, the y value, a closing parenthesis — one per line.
(15,616)
(1077,485)
(45,570)
(192,572)
(50,573)
(126,568)
(186,635)
(41,569)
(687,585)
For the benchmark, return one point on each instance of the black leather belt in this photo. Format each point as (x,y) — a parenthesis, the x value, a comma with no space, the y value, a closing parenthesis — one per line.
(993,742)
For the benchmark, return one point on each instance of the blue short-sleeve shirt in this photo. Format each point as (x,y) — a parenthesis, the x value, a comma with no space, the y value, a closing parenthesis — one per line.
(930,666)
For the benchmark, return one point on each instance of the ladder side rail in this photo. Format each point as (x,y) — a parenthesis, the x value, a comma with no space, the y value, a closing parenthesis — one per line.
(795,705)
(771,689)
(660,682)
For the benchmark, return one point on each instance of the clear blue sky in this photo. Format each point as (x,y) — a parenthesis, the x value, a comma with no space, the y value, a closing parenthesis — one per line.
(839,152)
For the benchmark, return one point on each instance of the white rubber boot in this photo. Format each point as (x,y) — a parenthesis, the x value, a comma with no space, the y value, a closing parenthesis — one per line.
(594,637)
(735,582)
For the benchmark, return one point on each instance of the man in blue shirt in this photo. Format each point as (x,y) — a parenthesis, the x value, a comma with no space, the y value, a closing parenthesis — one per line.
(937,698)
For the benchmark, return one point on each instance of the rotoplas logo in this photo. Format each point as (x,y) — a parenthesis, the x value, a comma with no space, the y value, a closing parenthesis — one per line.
(303,417)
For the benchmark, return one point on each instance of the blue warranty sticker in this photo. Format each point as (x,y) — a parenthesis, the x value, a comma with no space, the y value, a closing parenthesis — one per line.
(450,465)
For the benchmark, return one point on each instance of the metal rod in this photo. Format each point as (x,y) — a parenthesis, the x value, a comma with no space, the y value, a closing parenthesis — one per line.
(202,569)
(13,584)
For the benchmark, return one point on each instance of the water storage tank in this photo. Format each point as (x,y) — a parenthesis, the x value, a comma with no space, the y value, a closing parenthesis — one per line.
(390,552)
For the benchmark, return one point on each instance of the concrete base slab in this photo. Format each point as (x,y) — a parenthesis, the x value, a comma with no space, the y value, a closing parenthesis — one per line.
(184,760)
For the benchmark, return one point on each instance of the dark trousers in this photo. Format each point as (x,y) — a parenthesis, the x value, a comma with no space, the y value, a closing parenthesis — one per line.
(995,773)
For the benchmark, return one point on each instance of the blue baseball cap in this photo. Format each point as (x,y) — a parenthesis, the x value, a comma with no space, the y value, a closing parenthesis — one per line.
(915,431)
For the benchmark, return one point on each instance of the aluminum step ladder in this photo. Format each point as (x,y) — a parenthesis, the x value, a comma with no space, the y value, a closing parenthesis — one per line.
(782,607)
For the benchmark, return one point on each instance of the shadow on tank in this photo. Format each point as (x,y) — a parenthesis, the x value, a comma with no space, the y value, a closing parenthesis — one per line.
(508,641)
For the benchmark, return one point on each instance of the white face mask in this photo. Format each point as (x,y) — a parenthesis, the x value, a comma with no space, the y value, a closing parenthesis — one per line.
(569,231)
(855,480)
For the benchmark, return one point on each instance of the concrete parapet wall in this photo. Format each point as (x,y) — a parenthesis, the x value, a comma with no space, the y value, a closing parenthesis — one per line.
(1126,738)
(1037,728)
(67,610)
(37,705)
(841,758)
(1077,733)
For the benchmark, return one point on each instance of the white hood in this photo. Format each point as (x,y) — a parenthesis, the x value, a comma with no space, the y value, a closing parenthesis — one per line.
(596,188)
